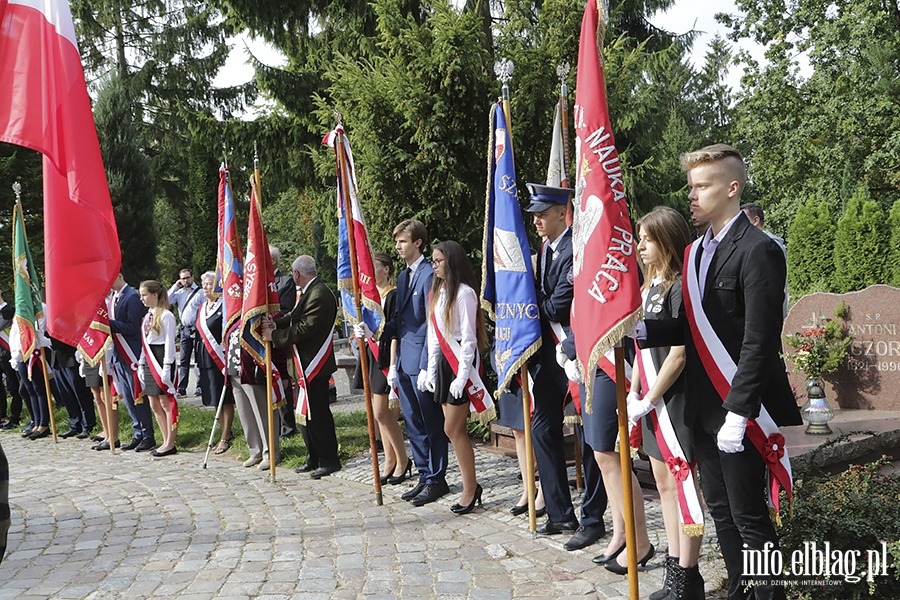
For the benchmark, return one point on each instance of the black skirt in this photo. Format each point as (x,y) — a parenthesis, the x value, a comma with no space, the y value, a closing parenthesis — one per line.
(445,377)
(150,386)
(92,377)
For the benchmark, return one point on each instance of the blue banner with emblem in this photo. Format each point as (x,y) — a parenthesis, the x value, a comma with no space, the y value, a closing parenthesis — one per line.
(507,292)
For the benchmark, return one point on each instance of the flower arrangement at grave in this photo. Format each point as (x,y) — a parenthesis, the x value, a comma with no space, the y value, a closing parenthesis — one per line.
(821,347)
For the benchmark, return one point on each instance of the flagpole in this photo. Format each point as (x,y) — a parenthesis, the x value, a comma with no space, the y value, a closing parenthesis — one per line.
(562,71)
(625,463)
(269,408)
(107,397)
(49,396)
(503,69)
(363,355)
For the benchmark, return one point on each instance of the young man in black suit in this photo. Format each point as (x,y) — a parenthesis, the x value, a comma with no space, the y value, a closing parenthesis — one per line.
(734,372)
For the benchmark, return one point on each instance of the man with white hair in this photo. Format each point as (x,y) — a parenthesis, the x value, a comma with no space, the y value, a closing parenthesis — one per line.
(308,330)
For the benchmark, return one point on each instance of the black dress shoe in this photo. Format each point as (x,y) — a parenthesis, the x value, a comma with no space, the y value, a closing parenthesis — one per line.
(605,558)
(323,471)
(83,435)
(584,537)
(105,445)
(97,438)
(521,509)
(614,567)
(10,425)
(69,433)
(134,443)
(304,469)
(551,527)
(463,509)
(145,445)
(36,435)
(27,431)
(169,452)
(431,493)
(413,492)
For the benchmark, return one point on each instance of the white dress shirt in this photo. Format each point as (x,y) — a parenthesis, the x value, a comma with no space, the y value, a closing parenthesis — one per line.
(166,336)
(463,329)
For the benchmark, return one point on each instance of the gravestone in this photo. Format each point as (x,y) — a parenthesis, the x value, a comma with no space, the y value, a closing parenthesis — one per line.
(870,376)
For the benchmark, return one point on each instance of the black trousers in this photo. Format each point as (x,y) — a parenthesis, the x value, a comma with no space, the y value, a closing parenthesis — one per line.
(594,502)
(188,340)
(547,434)
(318,433)
(76,397)
(734,486)
(12,386)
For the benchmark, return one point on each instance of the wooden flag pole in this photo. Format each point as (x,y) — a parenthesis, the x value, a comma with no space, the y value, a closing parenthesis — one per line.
(357,298)
(269,408)
(49,396)
(107,398)
(529,453)
(625,463)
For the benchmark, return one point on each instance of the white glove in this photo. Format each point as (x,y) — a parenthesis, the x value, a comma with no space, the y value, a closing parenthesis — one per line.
(572,371)
(561,358)
(638,332)
(392,377)
(141,372)
(731,435)
(392,394)
(424,382)
(167,375)
(637,408)
(362,331)
(458,387)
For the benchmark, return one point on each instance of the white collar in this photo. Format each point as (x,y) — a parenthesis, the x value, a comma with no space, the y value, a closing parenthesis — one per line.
(556,242)
(415,265)
(308,283)
(707,237)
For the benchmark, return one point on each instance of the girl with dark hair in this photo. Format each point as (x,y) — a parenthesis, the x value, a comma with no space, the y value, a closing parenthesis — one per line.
(657,395)
(456,333)
(157,363)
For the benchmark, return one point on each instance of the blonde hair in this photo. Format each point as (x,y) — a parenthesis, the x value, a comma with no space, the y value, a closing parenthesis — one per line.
(162,302)
(713,154)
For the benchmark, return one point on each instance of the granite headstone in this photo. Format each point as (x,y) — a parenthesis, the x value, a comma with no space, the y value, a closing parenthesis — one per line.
(870,376)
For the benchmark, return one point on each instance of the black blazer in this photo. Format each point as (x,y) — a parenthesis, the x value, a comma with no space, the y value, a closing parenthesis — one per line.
(309,325)
(556,304)
(743,302)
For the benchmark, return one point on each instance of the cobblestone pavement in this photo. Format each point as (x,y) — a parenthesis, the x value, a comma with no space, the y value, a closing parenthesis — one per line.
(92,525)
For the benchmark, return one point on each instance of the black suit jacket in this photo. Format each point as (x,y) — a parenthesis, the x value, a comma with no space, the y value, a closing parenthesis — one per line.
(554,305)
(308,325)
(743,299)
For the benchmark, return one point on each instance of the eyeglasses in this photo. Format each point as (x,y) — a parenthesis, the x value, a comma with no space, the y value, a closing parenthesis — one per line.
(437,261)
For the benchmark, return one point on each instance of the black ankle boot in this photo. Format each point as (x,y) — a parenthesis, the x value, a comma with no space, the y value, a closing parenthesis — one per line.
(687,584)
(671,564)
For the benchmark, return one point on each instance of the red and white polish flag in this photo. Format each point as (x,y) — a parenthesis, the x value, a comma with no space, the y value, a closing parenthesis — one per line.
(44,105)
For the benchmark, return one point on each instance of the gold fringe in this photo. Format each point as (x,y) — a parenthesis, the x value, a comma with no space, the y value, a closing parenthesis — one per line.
(300,419)
(775,516)
(486,416)
(347,285)
(695,530)
(487,306)
(393,403)
(613,337)
(93,362)
(517,366)
(573,419)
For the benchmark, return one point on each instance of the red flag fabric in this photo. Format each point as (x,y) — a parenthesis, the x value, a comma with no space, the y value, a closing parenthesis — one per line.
(96,339)
(607,298)
(260,291)
(230,255)
(44,105)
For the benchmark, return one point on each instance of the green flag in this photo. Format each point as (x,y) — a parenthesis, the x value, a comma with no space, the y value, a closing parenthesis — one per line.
(27,284)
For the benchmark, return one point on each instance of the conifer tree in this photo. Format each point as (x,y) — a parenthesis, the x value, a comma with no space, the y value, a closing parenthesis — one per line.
(860,243)
(811,254)
(130,180)
(893,262)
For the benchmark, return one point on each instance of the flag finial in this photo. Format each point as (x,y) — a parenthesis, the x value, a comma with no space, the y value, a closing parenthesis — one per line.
(503,68)
(17,190)
(337,116)
(562,71)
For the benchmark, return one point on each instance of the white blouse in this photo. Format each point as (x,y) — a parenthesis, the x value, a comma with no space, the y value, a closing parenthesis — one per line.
(166,336)
(465,313)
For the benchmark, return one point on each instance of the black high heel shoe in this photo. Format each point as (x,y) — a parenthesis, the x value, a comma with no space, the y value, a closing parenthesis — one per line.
(614,567)
(605,558)
(521,509)
(406,474)
(384,478)
(476,499)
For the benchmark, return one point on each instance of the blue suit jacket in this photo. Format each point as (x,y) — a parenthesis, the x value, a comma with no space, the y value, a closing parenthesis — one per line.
(411,319)
(555,305)
(129,313)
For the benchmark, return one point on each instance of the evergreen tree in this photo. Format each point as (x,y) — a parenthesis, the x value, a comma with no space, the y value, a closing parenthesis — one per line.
(130,180)
(893,261)
(23,165)
(203,202)
(860,243)
(811,254)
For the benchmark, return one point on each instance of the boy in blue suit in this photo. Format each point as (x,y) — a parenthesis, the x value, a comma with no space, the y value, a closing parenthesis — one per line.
(424,417)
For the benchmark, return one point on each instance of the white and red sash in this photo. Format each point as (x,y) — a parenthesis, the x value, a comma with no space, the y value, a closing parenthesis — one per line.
(304,375)
(480,401)
(721,369)
(690,509)
(4,340)
(607,362)
(156,370)
(214,348)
